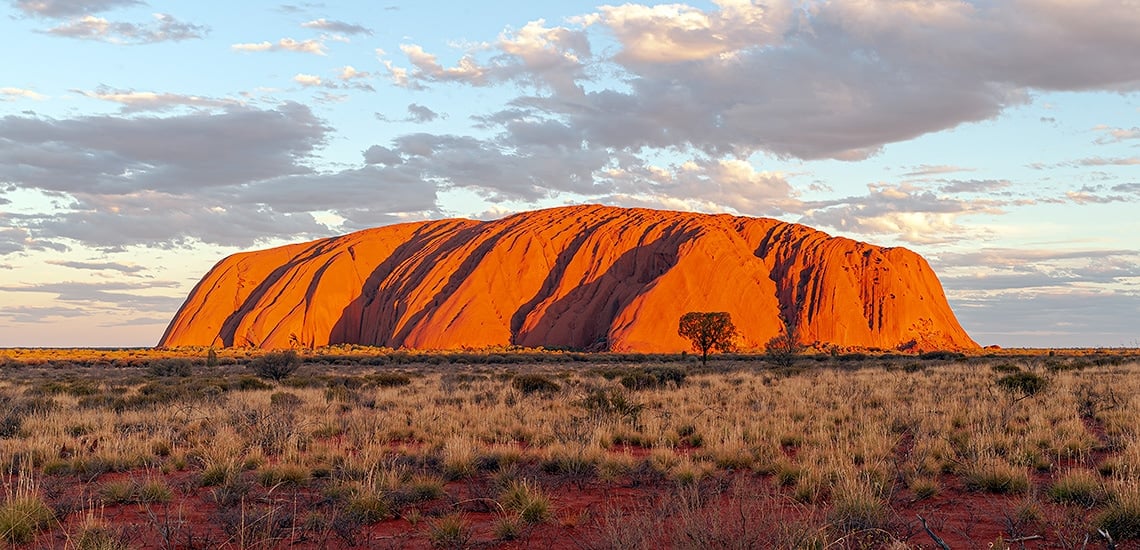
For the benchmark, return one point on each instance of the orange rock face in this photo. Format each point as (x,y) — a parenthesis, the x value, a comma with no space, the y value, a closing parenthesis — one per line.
(583,277)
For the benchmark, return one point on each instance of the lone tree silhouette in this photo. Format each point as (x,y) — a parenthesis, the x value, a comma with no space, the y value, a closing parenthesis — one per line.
(783,348)
(708,331)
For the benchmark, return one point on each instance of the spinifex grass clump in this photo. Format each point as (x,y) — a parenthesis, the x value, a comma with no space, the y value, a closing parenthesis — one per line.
(1080,487)
(1121,518)
(527,500)
(23,513)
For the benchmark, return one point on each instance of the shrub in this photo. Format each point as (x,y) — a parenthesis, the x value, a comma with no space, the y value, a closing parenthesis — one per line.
(390,379)
(857,509)
(527,500)
(1121,518)
(1025,383)
(368,507)
(534,383)
(996,477)
(23,516)
(449,531)
(153,490)
(276,365)
(924,488)
(1081,487)
(611,404)
(172,367)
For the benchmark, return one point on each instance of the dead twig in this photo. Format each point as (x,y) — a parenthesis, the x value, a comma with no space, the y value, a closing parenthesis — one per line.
(941,543)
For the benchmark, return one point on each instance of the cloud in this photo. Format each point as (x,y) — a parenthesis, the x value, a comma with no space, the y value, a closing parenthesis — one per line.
(1100,194)
(314,47)
(122,294)
(911,213)
(336,26)
(416,113)
(69,8)
(706,185)
(99,266)
(116,155)
(307,79)
(12,94)
(824,80)
(975,186)
(540,56)
(419,113)
(133,101)
(668,33)
(347,78)
(1115,135)
(934,170)
(41,314)
(165,29)
(1101,161)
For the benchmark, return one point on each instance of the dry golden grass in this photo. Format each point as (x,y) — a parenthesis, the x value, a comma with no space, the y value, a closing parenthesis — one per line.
(845,438)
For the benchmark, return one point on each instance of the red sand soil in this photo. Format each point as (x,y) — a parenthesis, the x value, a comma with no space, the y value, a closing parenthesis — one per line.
(963,519)
(581,277)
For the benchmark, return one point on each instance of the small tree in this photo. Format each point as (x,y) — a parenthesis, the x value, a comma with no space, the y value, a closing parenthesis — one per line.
(276,365)
(783,348)
(707,331)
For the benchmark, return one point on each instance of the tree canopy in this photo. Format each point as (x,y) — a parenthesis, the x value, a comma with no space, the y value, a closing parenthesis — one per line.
(708,331)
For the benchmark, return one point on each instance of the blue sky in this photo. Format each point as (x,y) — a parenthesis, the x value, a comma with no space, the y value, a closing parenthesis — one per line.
(141,142)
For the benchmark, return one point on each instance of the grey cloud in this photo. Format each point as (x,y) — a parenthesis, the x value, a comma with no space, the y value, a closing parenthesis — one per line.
(39,314)
(416,113)
(975,186)
(336,26)
(123,295)
(839,80)
(913,214)
(389,190)
(141,322)
(419,113)
(165,29)
(99,266)
(1116,135)
(1101,161)
(1016,257)
(115,155)
(523,171)
(378,154)
(69,8)
(134,102)
(931,170)
(169,221)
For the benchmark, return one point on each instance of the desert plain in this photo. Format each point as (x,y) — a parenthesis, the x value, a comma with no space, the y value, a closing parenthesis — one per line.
(358,447)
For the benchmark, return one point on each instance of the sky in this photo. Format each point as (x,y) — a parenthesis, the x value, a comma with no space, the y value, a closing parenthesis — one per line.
(143,141)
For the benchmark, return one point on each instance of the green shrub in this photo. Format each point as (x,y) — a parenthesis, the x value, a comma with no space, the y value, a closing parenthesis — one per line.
(1081,487)
(1024,383)
(534,383)
(611,404)
(179,367)
(997,478)
(22,517)
(449,531)
(276,365)
(527,500)
(1121,518)
(390,379)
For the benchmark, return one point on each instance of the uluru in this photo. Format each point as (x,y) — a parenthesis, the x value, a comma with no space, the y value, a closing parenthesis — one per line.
(577,277)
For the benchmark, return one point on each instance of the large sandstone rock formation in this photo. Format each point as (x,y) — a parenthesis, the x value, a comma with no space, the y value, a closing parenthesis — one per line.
(585,277)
